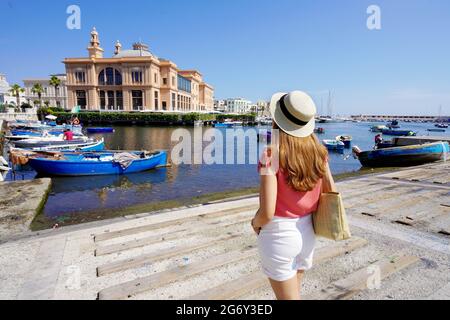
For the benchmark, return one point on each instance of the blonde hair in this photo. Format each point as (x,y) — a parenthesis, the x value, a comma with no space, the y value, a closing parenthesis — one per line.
(303,160)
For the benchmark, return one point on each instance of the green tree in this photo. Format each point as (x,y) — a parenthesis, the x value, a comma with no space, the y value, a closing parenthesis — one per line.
(38,90)
(56,83)
(16,90)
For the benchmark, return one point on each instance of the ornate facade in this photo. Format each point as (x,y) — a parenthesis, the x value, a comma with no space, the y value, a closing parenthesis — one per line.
(134,80)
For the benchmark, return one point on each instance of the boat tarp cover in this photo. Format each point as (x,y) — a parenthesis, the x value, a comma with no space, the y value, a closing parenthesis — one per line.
(125,159)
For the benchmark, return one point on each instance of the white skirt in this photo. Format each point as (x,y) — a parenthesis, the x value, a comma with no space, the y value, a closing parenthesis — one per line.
(286,246)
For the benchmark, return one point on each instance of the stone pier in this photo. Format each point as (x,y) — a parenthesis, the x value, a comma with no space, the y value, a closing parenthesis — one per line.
(20,201)
(400,250)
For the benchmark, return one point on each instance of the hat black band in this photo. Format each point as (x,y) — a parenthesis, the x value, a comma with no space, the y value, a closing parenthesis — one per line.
(289,115)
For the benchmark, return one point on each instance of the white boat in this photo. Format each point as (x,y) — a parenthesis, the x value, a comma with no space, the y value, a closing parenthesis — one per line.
(50,141)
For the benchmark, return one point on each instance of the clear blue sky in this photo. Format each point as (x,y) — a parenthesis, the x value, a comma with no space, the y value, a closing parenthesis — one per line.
(253,48)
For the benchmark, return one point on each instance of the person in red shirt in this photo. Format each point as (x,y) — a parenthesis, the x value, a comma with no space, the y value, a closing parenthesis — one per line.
(291,186)
(68,135)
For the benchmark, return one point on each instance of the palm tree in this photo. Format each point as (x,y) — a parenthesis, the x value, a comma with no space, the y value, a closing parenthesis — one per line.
(38,89)
(16,90)
(55,82)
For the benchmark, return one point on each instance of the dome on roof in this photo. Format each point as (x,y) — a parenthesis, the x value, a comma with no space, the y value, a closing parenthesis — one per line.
(133,53)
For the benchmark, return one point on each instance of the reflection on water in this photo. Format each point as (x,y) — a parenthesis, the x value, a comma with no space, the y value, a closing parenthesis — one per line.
(82,194)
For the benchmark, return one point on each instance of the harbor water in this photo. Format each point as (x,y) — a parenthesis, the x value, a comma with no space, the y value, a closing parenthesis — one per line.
(71,198)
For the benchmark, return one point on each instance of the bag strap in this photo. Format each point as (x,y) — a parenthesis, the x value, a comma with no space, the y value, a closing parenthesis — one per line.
(328,184)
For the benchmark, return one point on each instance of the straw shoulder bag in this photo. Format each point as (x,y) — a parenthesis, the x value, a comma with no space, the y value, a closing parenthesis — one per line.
(330,220)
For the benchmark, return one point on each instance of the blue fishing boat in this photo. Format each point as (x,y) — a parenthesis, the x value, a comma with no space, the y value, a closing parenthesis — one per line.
(222,125)
(398,133)
(334,145)
(37,125)
(100,130)
(403,156)
(97,163)
(436,130)
(35,133)
(228,124)
(28,134)
(347,140)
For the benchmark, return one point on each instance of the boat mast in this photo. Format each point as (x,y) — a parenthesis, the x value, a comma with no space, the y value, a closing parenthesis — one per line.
(321,106)
(329,107)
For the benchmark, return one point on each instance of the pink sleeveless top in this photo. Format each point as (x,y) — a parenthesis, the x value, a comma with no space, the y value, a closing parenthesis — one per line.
(293,204)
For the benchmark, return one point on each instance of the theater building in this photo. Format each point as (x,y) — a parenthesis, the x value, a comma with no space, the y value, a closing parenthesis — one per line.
(134,80)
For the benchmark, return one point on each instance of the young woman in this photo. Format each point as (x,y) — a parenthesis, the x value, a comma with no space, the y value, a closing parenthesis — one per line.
(291,183)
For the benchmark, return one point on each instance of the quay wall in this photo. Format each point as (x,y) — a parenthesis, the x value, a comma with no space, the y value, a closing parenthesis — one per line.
(18,116)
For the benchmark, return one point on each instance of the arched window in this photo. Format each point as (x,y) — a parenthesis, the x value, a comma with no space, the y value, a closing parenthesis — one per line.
(110,77)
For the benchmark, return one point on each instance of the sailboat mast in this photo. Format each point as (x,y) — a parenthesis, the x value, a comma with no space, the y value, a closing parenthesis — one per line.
(329,108)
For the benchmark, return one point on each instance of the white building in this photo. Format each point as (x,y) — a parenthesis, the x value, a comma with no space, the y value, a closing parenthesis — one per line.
(220,105)
(58,99)
(238,105)
(5,94)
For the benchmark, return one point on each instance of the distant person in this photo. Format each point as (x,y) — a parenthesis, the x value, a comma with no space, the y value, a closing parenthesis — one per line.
(76,121)
(68,135)
(290,194)
(378,140)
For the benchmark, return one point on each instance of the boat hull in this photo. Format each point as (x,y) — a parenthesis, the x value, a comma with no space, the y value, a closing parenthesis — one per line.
(398,133)
(95,146)
(436,130)
(346,140)
(404,156)
(332,145)
(47,167)
(26,144)
(100,130)
(223,125)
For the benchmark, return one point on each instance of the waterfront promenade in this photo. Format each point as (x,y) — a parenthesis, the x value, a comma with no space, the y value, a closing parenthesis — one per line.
(400,221)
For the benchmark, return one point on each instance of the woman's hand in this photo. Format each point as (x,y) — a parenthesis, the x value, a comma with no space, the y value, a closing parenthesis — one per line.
(255,228)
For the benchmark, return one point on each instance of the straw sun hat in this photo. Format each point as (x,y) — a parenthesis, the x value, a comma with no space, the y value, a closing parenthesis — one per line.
(294,113)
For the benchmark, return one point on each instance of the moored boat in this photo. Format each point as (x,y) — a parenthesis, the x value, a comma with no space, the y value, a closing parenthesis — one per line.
(100,130)
(319,130)
(394,125)
(334,145)
(398,133)
(378,128)
(347,140)
(89,146)
(441,125)
(39,126)
(97,163)
(29,134)
(403,156)
(49,141)
(228,124)
(436,130)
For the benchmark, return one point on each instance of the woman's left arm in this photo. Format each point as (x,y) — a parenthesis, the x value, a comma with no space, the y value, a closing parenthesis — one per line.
(268,201)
